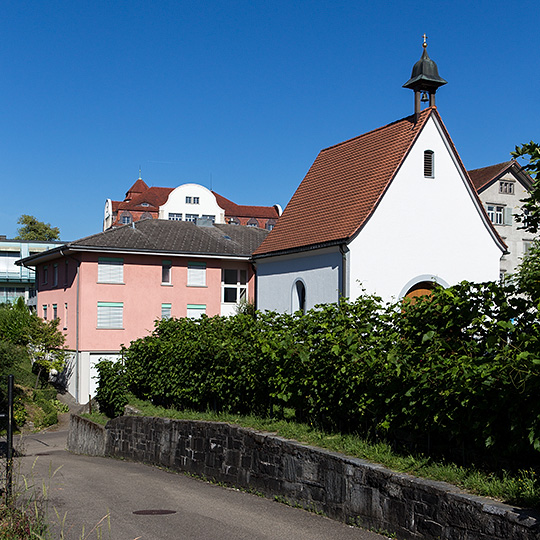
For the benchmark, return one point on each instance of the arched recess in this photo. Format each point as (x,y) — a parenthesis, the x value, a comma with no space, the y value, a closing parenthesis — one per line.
(299,296)
(421,285)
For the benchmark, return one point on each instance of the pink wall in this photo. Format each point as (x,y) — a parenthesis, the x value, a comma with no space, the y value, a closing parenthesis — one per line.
(142,294)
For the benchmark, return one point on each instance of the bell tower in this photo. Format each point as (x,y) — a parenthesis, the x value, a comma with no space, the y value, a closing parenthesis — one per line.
(424,80)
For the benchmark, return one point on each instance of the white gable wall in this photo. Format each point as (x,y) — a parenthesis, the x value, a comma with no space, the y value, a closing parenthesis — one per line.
(423,227)
(206,205)
(319,271)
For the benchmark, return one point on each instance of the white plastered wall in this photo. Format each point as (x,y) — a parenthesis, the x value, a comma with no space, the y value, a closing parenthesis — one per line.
(424,227)
(320,272)
(176,203)
(82,380)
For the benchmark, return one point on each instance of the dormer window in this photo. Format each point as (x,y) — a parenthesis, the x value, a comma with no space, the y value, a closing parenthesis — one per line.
(192,200)
(429,170)
(188,200)
(145,204)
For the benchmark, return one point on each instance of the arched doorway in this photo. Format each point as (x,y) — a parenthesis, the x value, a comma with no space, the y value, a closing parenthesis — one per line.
(422,288)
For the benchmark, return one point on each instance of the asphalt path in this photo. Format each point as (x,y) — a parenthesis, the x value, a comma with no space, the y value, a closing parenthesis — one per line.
(109,499)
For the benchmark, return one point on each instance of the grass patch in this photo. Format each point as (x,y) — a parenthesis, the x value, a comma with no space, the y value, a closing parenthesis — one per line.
(522,489)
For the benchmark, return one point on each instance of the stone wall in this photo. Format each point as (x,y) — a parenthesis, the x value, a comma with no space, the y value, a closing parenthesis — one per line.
(344,488)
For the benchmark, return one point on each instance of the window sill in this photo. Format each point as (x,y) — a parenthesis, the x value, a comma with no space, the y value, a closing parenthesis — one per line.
(166,284)
(107,328)
(110,283)
(198,286)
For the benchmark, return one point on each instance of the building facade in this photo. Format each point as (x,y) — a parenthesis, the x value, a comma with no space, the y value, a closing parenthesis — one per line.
(392,212)
(501,189)
(15,281)
(110,288)
(188,202)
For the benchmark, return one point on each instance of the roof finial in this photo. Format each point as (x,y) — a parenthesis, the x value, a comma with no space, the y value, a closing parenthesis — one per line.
(140,177)
(425,41)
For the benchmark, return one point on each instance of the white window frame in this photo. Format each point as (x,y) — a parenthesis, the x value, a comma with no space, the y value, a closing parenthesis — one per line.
(496,214)
(166,310)
(196,274)
(196,311)
(110,315)
(231,285)
(192,217)
(111,270)
(175,216)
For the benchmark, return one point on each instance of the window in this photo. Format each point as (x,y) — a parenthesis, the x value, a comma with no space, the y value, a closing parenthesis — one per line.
(44,312)
(195,200)
(166,311)
(270,224)
(196,276)
(110,315)
(526,246)
(299,296)
(196,311)
(428,164)
(175,217)
(495,214)
(506,187)
(192,217)
(55,276)
(145,204)
(125,219)
(45,274)
(110,270)
(253,222)
(166,271)
(499,215)
(65,316)
(209,218)
(234,285)
(55,311)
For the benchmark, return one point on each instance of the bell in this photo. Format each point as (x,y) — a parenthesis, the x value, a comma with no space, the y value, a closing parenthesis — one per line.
(424,98)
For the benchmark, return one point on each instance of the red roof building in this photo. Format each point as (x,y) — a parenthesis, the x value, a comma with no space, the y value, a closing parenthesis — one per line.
(143,202)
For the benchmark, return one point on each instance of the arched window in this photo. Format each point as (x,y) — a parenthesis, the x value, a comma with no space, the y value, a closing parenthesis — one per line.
(253,222)
(299,296)
(429,170)
(125,218)
(146,215)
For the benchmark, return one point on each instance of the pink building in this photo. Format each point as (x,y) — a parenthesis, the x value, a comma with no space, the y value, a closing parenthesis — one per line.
(109,289)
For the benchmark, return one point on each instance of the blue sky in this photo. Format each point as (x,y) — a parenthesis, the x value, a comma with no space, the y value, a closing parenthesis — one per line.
(239,96)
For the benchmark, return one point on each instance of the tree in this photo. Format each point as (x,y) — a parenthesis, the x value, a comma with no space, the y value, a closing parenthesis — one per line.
(32,229)
(528,272)
(530,216)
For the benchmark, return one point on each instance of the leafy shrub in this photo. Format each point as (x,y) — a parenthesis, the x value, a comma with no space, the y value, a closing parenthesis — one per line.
(111,392)
(456,374)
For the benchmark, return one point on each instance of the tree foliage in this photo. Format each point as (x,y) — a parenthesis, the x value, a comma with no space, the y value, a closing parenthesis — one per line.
(530,216)
(32,229)
(19,327)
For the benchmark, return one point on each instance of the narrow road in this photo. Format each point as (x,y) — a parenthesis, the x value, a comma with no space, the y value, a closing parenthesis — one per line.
(149,503)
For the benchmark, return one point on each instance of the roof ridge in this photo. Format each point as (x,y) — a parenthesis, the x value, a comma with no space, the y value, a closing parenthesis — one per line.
(362,135)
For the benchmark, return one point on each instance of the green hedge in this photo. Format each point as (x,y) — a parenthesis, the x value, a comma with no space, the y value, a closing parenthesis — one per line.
(456,375)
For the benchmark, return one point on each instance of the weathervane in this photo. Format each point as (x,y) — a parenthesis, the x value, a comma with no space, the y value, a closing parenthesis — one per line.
(425,41)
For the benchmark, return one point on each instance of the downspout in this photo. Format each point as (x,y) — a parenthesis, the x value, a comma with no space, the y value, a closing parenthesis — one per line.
(344,293)
(77,318)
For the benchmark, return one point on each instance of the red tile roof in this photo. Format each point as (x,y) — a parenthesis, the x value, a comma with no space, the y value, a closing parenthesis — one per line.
(138,187)
(343,187)
(485,175)
(238,210)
